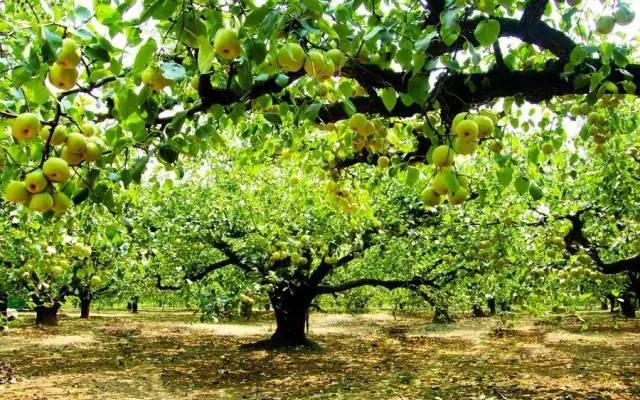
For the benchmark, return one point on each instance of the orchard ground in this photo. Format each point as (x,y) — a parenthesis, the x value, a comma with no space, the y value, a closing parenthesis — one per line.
(166,355)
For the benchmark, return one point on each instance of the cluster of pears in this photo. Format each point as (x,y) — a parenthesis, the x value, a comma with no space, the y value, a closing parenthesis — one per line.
(292,251)
(317,63)
(63,74)
(37,189)
(595,124)
(347,202)
(624,15)
(370,135)
(467,130)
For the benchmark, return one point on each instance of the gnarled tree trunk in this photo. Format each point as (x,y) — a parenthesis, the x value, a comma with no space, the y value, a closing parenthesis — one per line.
(290,306)
(441,315)
(47,315)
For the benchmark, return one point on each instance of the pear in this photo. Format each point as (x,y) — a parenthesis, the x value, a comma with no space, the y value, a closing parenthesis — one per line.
(63,78)
(443,156)
(36,181)
(42,202)
(227,44)
(26,126)
(56,169)
(16,192)
(291,57)
(69,56)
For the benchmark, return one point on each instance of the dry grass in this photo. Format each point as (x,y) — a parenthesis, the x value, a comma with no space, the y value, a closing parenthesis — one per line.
(156,355)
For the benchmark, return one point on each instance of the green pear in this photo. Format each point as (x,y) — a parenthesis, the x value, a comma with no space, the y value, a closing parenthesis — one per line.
(26,126)
(92,153)
(430,197)
(36,181)
(291,57)
(443,156)
(16,192)
(605,24)
(485,126)
(56,169)
(69,56)
(467,130)
(76,143)
(624,14)
(227,44)
(63,78)
(72,159)
(61,202)
(337,57)
(42,202)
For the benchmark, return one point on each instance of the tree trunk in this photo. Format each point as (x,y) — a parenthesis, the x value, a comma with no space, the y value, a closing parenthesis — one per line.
(85,307)
(628,306)
(478,312)
(4,303)
(604,305)
(47,315)
(491,303)
(505,306)
(612,302)
(441,315)
(291,307)
(132,306)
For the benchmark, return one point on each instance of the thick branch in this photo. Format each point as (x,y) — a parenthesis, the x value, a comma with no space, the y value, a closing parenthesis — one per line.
(389,284)
(576,236)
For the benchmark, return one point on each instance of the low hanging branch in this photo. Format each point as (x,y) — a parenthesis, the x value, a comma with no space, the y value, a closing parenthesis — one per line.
(576,236)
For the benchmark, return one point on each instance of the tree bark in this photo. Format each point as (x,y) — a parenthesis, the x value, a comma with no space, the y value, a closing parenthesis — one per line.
(85,307)
(291,307)
(441,315)
(478,312)
(628,305)
(612,302)
(47,315)
(491,303)
(4,303)
(132,306)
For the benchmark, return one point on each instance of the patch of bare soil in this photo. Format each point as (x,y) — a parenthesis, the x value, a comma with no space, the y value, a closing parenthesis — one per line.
(167,355)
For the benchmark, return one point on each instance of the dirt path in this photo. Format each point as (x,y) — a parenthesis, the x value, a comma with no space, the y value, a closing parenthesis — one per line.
(371,356)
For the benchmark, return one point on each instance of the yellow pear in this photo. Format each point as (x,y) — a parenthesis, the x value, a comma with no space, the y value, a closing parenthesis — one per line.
(63,78)
(26,126)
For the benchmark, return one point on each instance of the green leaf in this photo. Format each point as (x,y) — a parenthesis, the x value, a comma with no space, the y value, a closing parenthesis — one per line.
(413,174)
(36,91)
(272,117)
(168,153)
(419,88)
(451,180)
(314,5)
(173,71)
(205,55)
(282,80)
(505,174)
(256,17)
(82,13)
(389,98)
(536,192)
(449,34)
(521,184)
(487,32)
(81,196)
(150,10)
(145,55)
(256,51)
